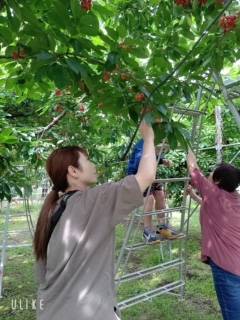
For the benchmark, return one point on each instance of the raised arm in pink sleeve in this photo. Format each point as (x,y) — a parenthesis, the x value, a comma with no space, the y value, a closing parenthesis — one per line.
(201,183)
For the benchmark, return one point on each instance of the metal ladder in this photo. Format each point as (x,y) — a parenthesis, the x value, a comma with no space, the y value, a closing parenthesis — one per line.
(129,246)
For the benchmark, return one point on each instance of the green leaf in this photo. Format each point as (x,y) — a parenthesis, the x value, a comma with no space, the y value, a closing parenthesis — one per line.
(6,188)
(130,61)
(107,40)
(104,11)
(75,66)
(217,62)
(183,141)
(13,21)
(162,109)
(122,31)
(28,15)
(8,197)
(14,6)
(7,137)
(140,52)
(59,75)
(44,56)
(133,115)
(112,33)
(88,24)
(40,43)
(159,131)
(5,35)
(112,60)
(75,7)
(172,140)
(59,15)
(18,190)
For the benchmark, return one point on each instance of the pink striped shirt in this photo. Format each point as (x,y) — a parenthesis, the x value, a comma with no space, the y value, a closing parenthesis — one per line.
(220,223)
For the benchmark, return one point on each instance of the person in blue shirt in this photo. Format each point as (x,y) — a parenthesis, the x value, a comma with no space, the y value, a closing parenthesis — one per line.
(156,198)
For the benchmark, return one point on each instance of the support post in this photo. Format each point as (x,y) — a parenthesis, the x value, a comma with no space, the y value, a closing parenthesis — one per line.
(4,247)
(219,126)
(228,101)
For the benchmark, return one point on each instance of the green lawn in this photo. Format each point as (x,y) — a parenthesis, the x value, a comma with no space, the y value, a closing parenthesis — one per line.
(200,300)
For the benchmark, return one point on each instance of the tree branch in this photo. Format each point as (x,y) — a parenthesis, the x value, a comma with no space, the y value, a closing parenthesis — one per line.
(123,157)
(202,36)
(41,132)
(54,54)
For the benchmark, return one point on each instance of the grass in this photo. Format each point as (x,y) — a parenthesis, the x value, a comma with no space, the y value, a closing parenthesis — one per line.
(200,299)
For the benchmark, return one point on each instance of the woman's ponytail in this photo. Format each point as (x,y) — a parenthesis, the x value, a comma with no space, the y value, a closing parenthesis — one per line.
(43,225)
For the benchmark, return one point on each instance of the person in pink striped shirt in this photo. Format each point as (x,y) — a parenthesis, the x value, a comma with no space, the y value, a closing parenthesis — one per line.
(220,227)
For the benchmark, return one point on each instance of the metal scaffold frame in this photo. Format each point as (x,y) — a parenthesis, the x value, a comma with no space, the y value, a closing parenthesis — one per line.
(7,213)
(176,288)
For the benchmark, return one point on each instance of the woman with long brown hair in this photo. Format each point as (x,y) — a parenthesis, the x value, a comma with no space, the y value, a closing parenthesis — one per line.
(74,238)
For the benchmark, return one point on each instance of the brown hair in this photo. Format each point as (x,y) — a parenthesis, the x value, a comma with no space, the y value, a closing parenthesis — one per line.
(57,168)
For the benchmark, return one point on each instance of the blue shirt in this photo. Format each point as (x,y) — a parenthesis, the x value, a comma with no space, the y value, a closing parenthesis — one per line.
(136,157)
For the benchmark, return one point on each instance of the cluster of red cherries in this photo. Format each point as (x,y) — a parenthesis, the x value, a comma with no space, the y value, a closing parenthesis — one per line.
(228,23)
(16,55)
(86,5)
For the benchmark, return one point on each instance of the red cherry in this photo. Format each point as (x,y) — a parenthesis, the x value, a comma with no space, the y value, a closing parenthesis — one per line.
(86,5)
(58,93)
(124,76)
(139,97)
(59,108)
(106,76)
(228,23)
(16,55)
(81,107)
(183,3)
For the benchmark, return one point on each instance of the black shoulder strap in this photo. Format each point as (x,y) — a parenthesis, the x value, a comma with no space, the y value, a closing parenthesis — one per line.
(58,213)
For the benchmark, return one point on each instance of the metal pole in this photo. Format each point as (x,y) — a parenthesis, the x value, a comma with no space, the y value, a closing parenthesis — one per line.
(219,126)
(223,146)
(28,216)
(195,136)
(235,157)
(195,120)
(126,239)
(4,247)
(228,101)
